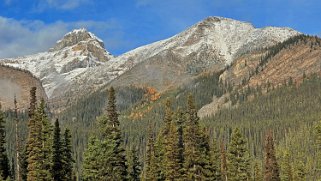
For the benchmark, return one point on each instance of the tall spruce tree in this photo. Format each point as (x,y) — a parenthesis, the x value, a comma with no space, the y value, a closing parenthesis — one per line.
(271,172)
(57,155)
(150,166)
(216,161)
(238,158)
(97,160)
(180,121)
(38,143)
(223,161)
(68,160)
(105,157)
(171,155)
(34,142)
(17,161)
(162,139)
(197,161)
(46,139)
(119,159)
(134,166)
(4,161)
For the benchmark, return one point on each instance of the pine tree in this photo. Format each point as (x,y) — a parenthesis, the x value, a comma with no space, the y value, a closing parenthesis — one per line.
(216,162)
(150,166)
(257,175)
(134,167)
(57,155)
(271,172)
(161,141)
(180,121)
(286,166)
(171,156)
(238,158)
(34,142)
(38,155)
(97,160)
(4,161)
(119,159)
(17,166)
(197,164)
(105,158)
(23,164)
(223,162)
(67,156)
(47,141)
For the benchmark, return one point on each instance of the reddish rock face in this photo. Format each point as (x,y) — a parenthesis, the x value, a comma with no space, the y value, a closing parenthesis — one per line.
(14,82)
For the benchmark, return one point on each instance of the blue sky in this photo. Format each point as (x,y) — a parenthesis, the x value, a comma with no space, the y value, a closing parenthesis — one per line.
(29,26)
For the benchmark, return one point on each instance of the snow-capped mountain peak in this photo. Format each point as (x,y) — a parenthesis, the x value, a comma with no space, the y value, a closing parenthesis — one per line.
(79,62)
(77,36)
(76,53)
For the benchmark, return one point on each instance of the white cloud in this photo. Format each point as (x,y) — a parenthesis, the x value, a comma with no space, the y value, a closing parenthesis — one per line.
(42,5)
(7,2)
(25,37)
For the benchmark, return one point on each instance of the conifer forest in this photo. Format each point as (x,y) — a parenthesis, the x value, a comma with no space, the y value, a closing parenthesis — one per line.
(223,100)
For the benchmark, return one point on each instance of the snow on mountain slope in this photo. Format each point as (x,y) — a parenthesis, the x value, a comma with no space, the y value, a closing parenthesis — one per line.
(78,51)
(79,62)
(220,39)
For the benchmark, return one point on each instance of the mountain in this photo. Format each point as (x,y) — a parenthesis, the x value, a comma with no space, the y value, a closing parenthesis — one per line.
(70,57)
(79,64)
(17,83)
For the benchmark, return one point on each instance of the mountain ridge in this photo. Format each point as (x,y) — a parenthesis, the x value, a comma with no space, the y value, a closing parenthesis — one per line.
(79,63)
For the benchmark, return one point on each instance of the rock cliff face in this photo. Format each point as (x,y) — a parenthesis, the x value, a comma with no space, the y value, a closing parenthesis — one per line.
(17,83)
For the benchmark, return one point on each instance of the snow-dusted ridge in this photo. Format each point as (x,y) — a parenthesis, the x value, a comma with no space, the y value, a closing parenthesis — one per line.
(80,62)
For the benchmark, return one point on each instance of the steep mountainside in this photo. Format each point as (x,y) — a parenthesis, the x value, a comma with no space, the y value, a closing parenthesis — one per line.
(79,64)
(15,82)
(73,55)
(285,63)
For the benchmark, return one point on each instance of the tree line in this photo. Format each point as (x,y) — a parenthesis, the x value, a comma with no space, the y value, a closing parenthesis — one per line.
(182,150)
(46,154)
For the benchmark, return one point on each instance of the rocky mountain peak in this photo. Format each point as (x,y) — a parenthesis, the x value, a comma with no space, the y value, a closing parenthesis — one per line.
(75,37)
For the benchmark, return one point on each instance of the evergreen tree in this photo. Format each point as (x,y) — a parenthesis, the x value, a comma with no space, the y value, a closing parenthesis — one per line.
(150,166)
(257,175)
(197,161)
(216,162)
(97,160)
(4,161)
(271,172)
(223,162)
(180,121)
(119,159)
(286,166)
(161,142)
(134,167)
(57,155)
(171,156)
(47,141)
(24,164)
(38,144)
(105,158)
(238,158)
(34,142)
(68,160)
